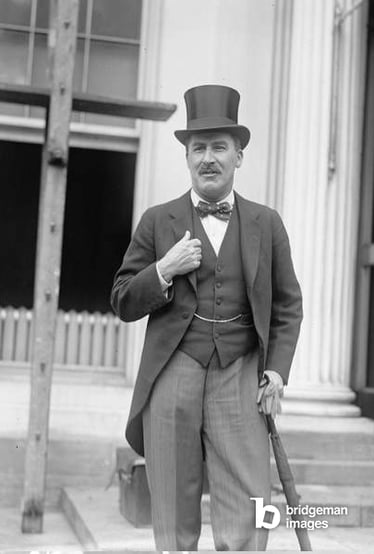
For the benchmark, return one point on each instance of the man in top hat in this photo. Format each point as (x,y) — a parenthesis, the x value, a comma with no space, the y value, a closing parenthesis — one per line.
(213,271)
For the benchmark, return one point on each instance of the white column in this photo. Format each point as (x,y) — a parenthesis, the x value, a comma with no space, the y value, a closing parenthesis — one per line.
(148,89)
(321,209)
(280,88)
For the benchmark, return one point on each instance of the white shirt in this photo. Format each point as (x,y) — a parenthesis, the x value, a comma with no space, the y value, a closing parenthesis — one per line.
(215,228)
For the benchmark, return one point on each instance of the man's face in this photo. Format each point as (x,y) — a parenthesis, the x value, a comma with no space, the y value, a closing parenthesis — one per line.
(212,159)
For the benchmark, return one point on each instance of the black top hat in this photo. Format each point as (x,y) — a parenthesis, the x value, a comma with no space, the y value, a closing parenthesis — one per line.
(213,108)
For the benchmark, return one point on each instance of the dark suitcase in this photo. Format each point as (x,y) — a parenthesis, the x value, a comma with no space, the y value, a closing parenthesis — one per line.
(134,496)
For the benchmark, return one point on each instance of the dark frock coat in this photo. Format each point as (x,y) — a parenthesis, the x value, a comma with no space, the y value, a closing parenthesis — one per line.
(272,287)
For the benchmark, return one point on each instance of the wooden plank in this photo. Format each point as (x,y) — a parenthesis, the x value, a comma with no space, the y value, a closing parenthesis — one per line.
(60,338)
(97,342)
(62,40)
(89,103)
(139,109)
(72,343)
(85,339)
(23,94)
(22,336)
(9,334)
(110,341)
(30,321)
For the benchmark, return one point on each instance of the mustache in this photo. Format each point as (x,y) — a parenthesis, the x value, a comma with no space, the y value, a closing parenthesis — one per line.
(208,167)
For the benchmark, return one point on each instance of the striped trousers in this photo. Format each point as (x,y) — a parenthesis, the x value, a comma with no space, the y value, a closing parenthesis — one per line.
(198,413)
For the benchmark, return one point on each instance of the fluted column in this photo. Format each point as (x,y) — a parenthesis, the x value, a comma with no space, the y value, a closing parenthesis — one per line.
(320,200)
(148,89)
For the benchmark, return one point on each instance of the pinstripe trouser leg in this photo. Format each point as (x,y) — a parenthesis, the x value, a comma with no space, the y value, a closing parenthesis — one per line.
(190,407)
(237,454)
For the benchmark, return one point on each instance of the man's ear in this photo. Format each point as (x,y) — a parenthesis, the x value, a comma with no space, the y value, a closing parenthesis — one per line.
(239,158)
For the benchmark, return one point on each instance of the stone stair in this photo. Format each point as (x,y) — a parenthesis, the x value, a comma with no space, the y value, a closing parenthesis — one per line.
(332,461)
(86,426)
(330,472)
(332,458)
(72,461)
(94,515)
(329,451)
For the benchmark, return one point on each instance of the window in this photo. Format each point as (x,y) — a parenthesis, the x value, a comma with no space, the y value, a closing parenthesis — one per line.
(107,55)
(96,233)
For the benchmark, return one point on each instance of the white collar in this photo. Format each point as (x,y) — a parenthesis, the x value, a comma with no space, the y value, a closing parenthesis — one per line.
(230,198)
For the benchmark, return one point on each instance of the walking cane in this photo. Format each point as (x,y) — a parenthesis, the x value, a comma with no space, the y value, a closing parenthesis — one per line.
(288,483)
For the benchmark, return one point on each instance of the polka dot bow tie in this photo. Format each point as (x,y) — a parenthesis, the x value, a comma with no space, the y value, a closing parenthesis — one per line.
(220,210)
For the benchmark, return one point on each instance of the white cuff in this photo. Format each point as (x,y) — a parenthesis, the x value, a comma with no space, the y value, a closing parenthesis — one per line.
(164,284)
(275,378)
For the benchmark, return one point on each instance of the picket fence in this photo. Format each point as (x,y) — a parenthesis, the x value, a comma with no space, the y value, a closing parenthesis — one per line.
(82,339)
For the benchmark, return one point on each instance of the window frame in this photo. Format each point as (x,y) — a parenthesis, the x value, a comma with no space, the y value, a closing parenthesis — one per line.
(26,128)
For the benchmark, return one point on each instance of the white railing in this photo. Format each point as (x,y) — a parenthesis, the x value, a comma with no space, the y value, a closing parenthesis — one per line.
(82,339)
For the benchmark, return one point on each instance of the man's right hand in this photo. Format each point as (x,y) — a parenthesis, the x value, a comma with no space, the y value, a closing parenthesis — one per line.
(183,257)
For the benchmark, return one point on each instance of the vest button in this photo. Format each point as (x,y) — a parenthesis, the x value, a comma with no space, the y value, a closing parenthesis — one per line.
(219,268)
(218,301)
(218,284)
(185,315)
(216,335)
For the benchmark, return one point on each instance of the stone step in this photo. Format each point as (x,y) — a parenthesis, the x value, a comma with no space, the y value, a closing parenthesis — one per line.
(98,512)
(75,516)
(93,513)
(329,472)
(327,438)
(328,446)
(89,509)
(72,461)
(357,498)
(77,408)
(333,500)
(305,471)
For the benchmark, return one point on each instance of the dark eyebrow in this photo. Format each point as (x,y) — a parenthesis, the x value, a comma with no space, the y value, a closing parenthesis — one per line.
(197,143)
(214,143)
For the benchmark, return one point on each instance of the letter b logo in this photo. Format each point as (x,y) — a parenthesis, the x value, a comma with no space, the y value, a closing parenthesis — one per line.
(261,510)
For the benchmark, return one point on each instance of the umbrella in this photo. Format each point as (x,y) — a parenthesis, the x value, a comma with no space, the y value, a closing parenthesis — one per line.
(288,483)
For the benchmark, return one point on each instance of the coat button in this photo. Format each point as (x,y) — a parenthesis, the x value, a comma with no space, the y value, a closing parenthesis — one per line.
(185,315)
(218,301)
(216,335)
(219,268)
(218,284)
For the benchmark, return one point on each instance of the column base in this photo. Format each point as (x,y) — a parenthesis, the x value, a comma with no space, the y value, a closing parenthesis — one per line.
(320,400)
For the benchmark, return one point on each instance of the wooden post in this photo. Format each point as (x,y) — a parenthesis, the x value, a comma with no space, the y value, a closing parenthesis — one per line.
(48,258)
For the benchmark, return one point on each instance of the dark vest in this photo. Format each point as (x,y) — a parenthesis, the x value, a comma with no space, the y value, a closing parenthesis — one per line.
(221,294)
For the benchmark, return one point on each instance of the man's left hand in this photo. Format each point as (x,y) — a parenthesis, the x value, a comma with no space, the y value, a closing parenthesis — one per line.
(269,393)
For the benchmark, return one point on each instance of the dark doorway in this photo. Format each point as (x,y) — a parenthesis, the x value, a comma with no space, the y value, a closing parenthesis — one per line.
(19,199)
(97,227)
(363,348)
(370,91)
(369,385)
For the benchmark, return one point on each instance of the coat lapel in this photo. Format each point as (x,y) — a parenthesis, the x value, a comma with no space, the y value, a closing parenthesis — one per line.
(180,215)
(250,240)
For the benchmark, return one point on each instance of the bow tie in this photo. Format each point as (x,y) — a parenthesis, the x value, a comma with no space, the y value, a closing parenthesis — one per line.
(221,211)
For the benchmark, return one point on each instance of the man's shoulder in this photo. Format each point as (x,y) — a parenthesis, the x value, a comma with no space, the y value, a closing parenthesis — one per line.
(255,208)
(169,206)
